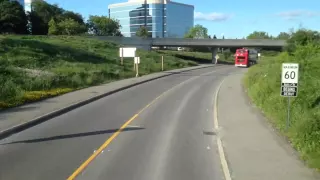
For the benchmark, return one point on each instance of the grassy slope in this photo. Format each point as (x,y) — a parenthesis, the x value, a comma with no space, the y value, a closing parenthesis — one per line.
(263,83)
(32,68)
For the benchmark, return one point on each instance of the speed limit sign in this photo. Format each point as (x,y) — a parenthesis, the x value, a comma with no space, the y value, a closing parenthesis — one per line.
(289,79)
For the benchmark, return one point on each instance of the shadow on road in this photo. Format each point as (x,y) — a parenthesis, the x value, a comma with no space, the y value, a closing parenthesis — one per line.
(5,112)
(67,136)
(225,62)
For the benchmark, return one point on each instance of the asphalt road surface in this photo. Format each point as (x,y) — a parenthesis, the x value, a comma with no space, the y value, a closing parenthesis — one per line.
(173,138)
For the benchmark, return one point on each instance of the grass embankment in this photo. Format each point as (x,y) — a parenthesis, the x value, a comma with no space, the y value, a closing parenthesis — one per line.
(200,57)
(263,83)
(37,67)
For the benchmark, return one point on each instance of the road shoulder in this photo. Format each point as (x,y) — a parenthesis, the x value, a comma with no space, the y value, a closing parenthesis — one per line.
(253,149)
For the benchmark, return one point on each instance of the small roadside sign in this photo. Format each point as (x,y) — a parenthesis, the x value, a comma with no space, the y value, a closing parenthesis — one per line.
(289,84)
(127,52)
(137,60)
(289,79)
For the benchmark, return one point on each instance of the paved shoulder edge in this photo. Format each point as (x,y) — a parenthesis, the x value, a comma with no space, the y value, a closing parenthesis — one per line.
(283,141)
(20,127)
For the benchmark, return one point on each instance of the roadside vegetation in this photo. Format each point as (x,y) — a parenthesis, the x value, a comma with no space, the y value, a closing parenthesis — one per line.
(263,84)
(37,67)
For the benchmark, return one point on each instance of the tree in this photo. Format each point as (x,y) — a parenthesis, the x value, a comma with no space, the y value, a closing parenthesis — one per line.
(53,27)
(283,36)
(75,16)
(258,35)
(47,19)
(214,37)
(70,27)
(302,37)
(104,26)
(42,13)
(12,18)
(222,37)
(197,32)
(143,32)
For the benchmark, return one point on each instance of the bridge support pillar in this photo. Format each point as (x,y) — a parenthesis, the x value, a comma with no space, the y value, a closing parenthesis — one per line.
(214,51)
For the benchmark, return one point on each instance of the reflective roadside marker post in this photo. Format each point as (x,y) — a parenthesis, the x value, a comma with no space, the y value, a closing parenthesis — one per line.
(137,62)
(162,63)
(217,58)
(289,84)
(259,56)
(121,50)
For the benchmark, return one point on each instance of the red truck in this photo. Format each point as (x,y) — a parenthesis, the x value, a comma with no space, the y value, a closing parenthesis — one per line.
(245,57)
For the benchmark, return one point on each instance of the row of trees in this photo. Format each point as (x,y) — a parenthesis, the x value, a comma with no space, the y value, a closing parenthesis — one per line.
(49,19)
(201,32)
(12,17)
(52,19)
(301,36)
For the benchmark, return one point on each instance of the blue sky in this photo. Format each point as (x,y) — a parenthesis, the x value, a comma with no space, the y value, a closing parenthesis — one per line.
(234,19)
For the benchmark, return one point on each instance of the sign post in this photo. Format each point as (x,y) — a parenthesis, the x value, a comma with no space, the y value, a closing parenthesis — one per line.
(289,84)
(121,49)
(137,62)
(162,63)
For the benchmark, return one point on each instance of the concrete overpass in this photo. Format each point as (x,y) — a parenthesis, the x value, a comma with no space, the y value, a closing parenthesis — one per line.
(147,43)
(179,42)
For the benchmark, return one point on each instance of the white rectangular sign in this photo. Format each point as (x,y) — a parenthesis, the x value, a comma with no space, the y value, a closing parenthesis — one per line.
(137,60)
(290,73)
(127,52)
(289,79)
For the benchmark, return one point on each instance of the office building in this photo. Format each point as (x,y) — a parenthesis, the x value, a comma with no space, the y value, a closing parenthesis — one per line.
(163,18)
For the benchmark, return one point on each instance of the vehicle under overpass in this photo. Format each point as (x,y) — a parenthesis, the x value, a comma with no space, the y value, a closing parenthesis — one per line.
(214,44)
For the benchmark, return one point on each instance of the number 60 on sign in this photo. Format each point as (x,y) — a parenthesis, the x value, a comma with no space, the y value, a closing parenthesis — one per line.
(289,79)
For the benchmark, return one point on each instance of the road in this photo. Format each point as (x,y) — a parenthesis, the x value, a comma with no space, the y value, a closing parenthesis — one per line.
(171,138)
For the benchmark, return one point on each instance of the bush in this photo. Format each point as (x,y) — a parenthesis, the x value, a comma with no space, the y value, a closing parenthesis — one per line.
(302,37)
(263,84)
(227,55)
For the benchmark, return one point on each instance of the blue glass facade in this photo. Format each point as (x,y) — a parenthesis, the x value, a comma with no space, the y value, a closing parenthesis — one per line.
(154,17)
(179,19)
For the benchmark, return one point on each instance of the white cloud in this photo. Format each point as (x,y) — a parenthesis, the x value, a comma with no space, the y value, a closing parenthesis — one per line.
(290,15)
(211,16)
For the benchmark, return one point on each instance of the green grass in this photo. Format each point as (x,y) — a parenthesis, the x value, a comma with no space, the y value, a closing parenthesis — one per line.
(36,67)
(200,57)
(263,84)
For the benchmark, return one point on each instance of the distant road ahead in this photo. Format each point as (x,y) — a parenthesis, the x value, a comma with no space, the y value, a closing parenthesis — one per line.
(171,139)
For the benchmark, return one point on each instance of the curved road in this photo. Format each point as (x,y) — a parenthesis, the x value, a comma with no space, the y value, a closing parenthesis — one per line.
(170,137)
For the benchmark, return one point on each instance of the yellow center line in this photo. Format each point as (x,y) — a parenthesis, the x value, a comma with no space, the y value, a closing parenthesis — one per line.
(109,140)
(102,147)
(105,144)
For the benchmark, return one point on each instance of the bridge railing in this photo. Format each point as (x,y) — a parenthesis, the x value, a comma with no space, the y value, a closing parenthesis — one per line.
(133,41)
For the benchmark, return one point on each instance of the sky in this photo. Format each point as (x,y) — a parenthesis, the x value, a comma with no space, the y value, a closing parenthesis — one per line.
(232,19)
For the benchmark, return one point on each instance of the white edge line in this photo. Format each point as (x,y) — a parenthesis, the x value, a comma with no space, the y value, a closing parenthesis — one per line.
(223,160)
